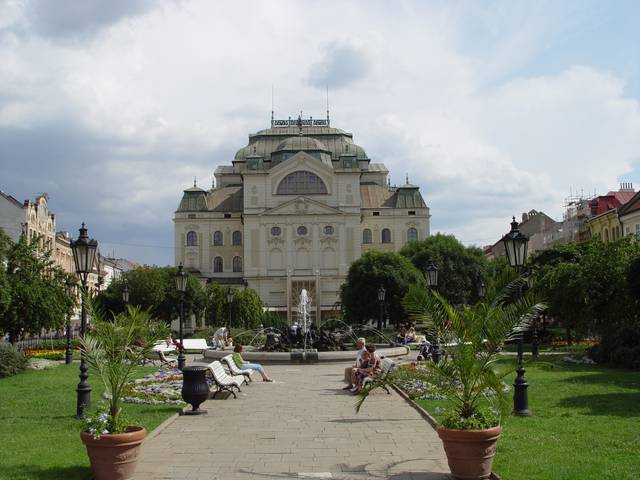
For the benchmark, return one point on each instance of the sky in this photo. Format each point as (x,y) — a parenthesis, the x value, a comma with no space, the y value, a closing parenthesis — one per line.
(492,108)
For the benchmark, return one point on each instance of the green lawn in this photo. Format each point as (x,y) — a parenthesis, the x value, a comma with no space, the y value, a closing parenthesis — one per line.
(585,424)
(39,436)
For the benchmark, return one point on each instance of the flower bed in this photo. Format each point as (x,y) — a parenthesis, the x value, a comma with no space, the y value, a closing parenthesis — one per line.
(162,387)
(44,353)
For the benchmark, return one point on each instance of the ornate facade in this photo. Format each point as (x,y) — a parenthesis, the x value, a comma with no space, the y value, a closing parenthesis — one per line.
(297,206)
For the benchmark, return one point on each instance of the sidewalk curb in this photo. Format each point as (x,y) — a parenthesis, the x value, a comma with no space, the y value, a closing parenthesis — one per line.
(158,430)
(427,416)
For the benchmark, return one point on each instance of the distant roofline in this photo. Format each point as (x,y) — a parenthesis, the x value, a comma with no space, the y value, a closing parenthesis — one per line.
(300,122)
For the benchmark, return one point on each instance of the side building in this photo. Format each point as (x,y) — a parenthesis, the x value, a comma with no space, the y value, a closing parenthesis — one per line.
(299,203)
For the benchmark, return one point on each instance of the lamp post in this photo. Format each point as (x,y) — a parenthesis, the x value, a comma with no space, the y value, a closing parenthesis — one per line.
(181,286)
(431,275)
(84,255)
(125,293)
(381,294)
(515,245)
(482,289)
(70,286)
(229,302)
(535,343)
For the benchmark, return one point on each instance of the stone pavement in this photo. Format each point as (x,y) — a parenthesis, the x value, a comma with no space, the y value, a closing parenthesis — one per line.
(301,426)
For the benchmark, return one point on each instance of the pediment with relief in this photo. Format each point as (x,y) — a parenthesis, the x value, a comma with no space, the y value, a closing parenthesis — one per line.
(302,206)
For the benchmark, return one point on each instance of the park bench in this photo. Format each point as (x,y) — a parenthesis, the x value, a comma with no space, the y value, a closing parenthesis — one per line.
(223,381)
(195,345)
(158,354)
(386,365)
(235,370)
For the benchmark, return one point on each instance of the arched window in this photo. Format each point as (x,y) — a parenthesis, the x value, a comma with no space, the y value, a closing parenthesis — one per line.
(192,239)
(412,235)
(236,238)
(217,238)
(301,182)
(217,265)
(237,264)
(386,235)
(366,236)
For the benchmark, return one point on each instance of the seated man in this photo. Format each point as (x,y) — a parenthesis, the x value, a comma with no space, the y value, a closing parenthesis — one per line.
(425,350)
(371,366)
(410,336)
(349,372)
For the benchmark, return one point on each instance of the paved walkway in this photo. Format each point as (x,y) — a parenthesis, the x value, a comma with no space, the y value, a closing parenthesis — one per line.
(301,426)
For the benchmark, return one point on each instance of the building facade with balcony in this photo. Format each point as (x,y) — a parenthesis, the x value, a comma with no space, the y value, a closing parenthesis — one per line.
(299,203)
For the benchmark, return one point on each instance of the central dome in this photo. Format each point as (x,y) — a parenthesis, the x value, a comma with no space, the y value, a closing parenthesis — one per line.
(301,143)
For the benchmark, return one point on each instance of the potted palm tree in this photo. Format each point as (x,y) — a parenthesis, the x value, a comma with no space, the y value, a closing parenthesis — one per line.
(114,348)
(469,376)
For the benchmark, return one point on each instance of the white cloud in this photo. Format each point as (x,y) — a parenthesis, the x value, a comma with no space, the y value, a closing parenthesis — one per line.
(157,95)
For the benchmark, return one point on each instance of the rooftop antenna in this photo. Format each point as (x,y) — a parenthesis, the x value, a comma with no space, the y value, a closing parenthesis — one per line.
(194,182)
(272,104)
(406,178)
(328,122)
(213,182)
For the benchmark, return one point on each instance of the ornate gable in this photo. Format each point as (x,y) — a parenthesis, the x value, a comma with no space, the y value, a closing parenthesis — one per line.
(302,206)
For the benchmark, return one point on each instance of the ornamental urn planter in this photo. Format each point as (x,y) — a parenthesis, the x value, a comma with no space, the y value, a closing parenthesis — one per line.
(114,456)
(470,452)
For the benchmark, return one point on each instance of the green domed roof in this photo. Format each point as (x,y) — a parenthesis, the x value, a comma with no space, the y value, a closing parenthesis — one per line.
(301,143)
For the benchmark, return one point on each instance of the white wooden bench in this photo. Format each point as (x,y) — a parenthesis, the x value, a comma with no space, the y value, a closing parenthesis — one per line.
(386,365)
(224,382)
(195,345)
(235,370)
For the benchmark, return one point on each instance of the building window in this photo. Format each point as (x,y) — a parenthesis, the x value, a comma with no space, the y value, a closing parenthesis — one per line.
(302,230)
(227,215)
(237,264)
(412,235)
(638,230)
(217,265)
(386,235)
(301,182)
(236,238)
(217,238)
(366,236)
(328,230)
(276,231)
(192,239)
(412,212)
(376,214)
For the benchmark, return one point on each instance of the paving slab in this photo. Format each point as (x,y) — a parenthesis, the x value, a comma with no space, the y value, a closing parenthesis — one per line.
(301,426)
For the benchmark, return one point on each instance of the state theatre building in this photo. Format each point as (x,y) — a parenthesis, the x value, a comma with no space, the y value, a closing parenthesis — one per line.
(297,205)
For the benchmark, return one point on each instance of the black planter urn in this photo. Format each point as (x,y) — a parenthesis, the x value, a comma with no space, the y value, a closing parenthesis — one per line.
(195,389)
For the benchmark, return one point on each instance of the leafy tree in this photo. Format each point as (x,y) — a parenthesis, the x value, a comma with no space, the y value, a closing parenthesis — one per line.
(460,268)
(247,308)
(153,289)
(34,297)
(359,294)
(5,292)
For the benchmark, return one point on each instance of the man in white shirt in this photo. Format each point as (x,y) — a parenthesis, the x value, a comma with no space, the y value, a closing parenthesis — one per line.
(350,372)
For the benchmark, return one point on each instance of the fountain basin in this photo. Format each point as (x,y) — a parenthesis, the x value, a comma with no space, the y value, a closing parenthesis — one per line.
(294,357)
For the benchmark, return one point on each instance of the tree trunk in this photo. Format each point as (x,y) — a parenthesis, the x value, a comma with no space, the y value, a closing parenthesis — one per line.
(569,339)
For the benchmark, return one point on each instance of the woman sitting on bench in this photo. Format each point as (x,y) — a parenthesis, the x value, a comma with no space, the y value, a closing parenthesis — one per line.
(242,365)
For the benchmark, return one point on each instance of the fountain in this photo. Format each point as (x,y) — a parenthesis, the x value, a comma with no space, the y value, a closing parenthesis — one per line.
(304,342)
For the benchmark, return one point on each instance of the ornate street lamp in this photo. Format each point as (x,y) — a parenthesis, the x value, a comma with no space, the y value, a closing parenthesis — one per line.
(515,245)
(381,294)
(84,255)
(482,289)
(70,286)
(181,286)
(229,302)
(125,293)
(431,275)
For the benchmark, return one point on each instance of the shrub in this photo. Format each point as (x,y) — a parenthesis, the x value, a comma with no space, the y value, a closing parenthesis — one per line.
(627,357)
(12,360)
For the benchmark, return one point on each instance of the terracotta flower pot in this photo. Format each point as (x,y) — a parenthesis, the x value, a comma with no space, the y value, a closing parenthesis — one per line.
(114,457)
(470,452)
